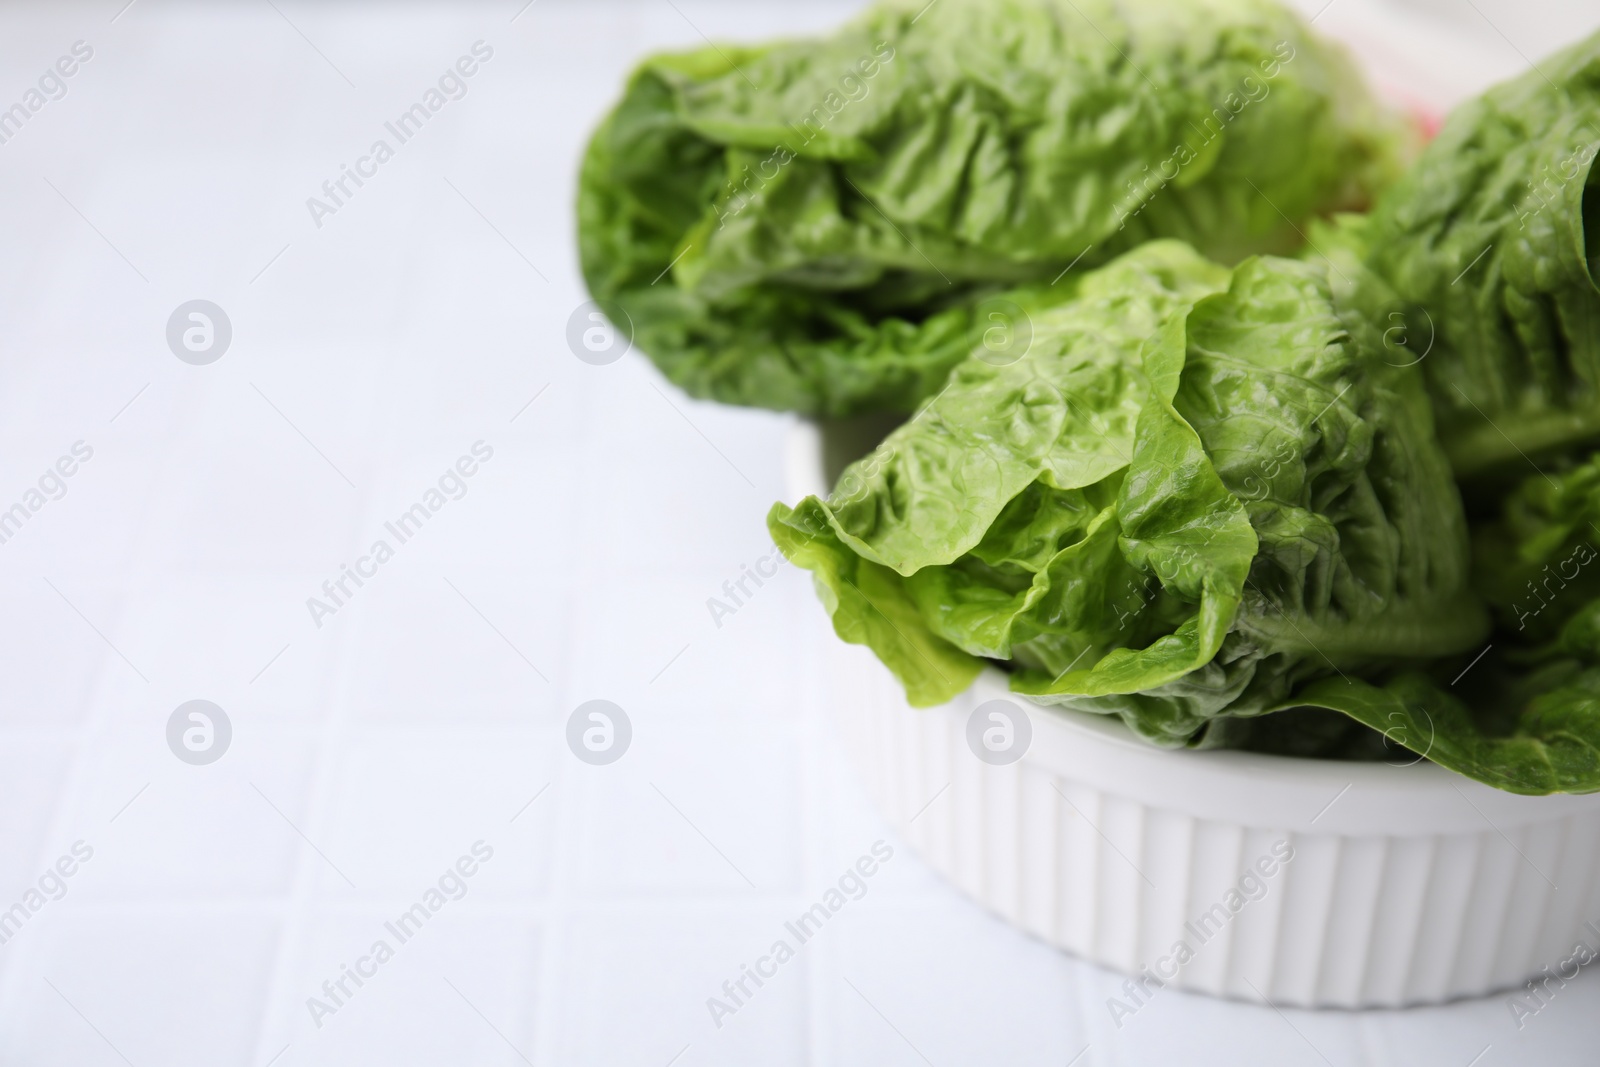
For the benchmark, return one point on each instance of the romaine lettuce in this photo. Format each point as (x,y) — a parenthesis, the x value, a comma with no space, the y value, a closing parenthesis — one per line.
(1492,242)
(1195,492)
(811,225)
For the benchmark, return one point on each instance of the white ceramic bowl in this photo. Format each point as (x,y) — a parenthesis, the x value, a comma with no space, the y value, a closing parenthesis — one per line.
(1313,883)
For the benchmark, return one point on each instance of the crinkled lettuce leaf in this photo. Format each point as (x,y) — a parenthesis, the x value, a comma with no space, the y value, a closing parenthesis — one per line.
(1533,559)
(1007,466)
(810,225)
(1492,243)
(1065,412)
(1198,490)
(1523,713)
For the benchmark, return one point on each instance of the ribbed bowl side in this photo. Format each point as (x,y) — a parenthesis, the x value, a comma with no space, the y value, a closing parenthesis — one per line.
(1348,920)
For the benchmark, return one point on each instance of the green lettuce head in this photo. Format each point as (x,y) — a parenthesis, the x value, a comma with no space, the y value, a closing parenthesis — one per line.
(1195,492)
(812,225)
(1492,242)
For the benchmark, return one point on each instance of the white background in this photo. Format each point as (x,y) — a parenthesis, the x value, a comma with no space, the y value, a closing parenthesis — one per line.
(369,753)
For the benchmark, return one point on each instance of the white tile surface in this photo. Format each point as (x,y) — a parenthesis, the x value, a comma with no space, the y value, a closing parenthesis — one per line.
(430,711)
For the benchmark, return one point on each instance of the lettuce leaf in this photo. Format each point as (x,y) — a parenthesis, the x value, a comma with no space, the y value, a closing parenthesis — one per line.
(1009,462)
(1524,713)
(1492,243)
(811,225)
(1183,502)
(1554,746)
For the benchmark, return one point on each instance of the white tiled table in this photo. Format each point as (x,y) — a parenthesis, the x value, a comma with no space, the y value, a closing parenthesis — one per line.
(368,754)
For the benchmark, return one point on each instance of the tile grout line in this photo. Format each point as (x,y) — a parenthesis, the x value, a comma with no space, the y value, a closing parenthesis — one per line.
(546,978)
(813,831)
(91,728)
(75,769)
(315,815)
